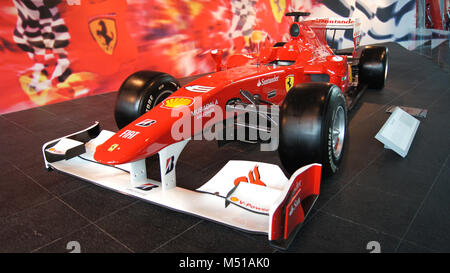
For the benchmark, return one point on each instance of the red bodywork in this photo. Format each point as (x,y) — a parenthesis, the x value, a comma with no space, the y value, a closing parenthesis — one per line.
(253,72)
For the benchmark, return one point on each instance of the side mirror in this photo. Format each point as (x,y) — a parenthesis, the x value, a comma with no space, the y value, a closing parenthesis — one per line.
(217,57)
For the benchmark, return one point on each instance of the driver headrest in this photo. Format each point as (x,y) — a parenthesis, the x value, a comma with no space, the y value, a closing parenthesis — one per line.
(294,30)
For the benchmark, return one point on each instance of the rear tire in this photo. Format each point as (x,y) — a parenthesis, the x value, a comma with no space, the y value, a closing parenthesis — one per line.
(313,127)
(140,92)
(373,66)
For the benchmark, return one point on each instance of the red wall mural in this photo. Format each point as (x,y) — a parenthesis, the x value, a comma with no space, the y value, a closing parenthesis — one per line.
(55,50)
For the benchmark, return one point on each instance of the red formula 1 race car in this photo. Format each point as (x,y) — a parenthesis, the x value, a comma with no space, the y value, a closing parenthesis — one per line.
(292,95)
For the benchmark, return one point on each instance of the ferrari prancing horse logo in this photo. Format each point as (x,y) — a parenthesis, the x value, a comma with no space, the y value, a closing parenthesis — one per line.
(104,32)
(278,8)
(289,82)
(113,147)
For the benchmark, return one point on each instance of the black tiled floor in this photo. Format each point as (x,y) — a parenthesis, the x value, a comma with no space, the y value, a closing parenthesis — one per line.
(38,226)
(56,183)
(95,202)
(396,179)
(431,225)
(402,203)
(407,247)
(346,236)
(91,239)
(386,212)
(19,192)
(212,238)
(144,227)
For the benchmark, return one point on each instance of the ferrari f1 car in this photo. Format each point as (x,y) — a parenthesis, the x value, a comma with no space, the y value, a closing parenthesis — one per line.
(301,88)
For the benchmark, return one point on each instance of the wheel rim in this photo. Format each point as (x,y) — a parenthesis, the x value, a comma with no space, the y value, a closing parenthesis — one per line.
(338,131)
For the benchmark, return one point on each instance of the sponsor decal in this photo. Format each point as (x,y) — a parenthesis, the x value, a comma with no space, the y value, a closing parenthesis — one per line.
(253,178)
(337,58)
(262,82)
(129,134)
(289,82)
(177,102)
(205,110)
(54,151)
(294,206)
(296,188)
(334,21)
(146,122)
(248,205)
(146,187)
(170,164)
(113,147)
(272,94)
(294,215)
(199,88)
(104,32)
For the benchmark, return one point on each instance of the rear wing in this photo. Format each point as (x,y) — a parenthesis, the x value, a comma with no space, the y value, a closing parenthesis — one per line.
(341,23)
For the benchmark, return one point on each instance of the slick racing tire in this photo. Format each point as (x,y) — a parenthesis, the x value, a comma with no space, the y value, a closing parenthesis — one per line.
(140,92)
(373,66)
(313,127)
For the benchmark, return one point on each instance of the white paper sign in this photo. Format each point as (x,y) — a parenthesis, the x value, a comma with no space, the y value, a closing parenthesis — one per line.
(398,132)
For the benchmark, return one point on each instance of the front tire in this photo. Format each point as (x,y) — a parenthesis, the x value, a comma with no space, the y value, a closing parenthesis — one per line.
(313,127)
(140,92)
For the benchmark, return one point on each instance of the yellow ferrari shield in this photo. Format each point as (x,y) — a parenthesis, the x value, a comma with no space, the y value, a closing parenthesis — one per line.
(113,147)
(289,82)
(104,32)
(278,8)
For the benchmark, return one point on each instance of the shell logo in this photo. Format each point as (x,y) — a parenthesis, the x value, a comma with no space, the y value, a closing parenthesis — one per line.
(172,103)
(234,199)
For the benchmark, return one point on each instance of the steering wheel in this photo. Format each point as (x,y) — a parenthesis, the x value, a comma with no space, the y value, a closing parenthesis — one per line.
(297,14)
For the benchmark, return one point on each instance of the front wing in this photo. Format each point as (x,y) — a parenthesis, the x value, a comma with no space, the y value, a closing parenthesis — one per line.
(250,196)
